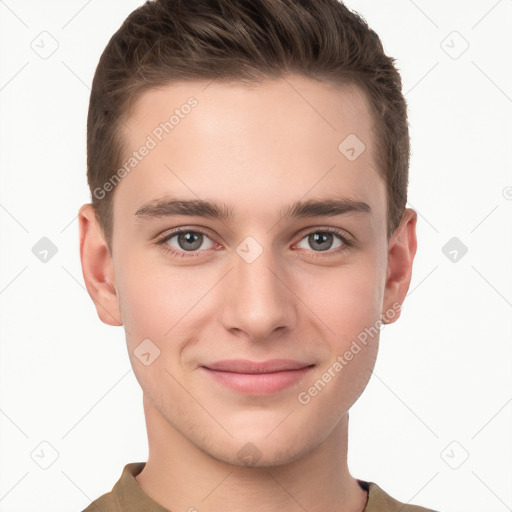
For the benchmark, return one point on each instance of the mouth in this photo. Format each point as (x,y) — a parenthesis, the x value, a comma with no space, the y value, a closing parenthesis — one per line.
(258,377)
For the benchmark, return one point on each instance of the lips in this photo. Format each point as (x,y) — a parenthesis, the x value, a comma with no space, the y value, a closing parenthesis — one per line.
(254,367)
(258,378)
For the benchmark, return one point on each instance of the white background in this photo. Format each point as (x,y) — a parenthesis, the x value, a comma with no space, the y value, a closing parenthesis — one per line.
(442,386)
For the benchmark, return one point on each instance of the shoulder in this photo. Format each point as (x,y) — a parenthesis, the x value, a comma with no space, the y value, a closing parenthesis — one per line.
(380,501)
(106,503)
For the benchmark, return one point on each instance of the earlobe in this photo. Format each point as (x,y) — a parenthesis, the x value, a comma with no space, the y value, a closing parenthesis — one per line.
(97,267)
(401,251)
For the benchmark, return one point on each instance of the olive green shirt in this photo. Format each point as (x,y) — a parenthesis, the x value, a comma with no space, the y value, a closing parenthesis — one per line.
(127,496)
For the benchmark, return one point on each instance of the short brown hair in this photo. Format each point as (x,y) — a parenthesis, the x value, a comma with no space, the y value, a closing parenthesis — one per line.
(166,41)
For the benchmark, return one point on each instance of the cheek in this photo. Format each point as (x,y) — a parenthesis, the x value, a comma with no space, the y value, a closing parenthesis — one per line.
(169,308)
(350,306)
(349,299)
(152,298)
(154,306)
(350,310)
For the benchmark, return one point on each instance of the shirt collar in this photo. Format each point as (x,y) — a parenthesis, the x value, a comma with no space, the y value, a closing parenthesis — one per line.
(130,496)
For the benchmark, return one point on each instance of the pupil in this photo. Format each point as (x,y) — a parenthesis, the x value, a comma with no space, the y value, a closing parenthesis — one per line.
(320,238)
(190,238)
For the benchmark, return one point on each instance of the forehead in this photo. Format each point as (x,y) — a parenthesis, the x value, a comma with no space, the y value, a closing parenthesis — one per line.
(250,147)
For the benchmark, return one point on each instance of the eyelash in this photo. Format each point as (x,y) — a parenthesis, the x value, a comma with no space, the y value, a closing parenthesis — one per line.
(347,244)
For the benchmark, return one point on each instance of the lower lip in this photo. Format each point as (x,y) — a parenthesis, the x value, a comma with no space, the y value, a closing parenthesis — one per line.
(258,383)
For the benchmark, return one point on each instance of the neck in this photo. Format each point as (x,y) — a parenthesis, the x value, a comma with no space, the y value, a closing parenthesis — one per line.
(180,476)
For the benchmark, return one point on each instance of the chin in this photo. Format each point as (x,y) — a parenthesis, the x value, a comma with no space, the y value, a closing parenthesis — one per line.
(253,449)
(255,455)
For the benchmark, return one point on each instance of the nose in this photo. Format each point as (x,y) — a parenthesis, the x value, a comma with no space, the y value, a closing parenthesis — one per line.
(258,301)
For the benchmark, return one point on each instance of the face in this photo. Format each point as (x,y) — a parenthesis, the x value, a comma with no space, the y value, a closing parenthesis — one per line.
(288,260)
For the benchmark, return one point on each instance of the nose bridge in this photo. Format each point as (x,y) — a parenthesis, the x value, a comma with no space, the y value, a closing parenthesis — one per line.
(259,302)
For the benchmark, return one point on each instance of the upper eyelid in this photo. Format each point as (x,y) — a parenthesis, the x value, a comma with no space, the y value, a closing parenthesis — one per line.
(335,231)
(177,231)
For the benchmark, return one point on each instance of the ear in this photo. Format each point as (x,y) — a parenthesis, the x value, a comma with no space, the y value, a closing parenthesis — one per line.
(401,251)
(97,267)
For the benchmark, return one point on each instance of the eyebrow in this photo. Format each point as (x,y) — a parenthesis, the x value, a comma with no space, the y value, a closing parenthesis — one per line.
(328,207)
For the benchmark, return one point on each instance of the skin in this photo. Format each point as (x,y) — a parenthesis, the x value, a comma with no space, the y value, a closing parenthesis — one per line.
(257,150)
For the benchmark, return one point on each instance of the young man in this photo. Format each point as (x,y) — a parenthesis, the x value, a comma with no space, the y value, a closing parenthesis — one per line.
(248,164)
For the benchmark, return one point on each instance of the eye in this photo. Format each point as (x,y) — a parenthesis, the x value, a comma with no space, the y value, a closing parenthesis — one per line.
(183,241)
(324,240)
(186,243)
